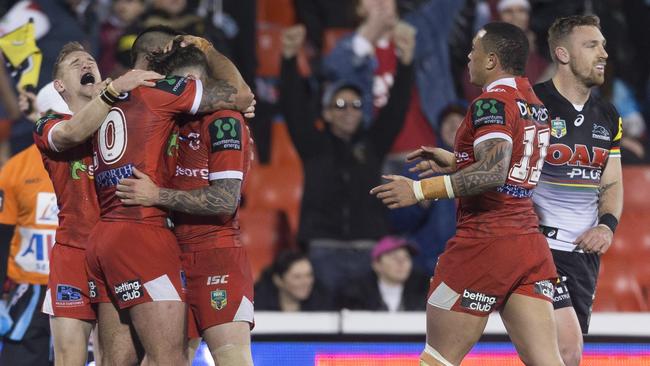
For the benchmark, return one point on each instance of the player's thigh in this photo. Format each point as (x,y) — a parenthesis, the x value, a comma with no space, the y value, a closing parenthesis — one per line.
(228,333)
(160,325)
(569,335)
(530,323)
(116,336)
(453,333)
(70,338)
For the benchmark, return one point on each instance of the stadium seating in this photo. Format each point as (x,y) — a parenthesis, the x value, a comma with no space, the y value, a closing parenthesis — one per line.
(276,11)
(260,237)
(636,179)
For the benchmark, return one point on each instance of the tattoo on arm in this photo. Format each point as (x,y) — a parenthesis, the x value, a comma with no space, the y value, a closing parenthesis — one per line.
(604,188)
(220,198)
(489,171)
(217,94)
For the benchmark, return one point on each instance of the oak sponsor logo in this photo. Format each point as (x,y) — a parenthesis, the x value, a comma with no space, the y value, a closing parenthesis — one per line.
(129,290)
(477,301)
(545,288)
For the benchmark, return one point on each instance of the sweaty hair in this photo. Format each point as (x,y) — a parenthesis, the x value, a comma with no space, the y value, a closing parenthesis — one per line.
(152,39)
(563,27)
(177,58)
(285,260)
(67,49)
(509,43)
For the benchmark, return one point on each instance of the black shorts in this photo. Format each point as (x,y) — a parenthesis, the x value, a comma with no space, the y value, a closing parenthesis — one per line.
(28,341)
(578,274)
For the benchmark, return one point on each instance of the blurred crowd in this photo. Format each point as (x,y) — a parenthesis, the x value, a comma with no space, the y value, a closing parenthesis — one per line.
(359,84)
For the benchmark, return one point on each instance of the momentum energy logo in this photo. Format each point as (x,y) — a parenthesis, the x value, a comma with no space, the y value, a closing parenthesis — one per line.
(488,112)
(225,134)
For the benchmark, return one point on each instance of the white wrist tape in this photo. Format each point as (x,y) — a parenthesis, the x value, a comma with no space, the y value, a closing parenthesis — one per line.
(448,187)
(417,190)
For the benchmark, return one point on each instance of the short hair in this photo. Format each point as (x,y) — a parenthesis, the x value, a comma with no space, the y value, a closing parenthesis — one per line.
(285,260)
(562,28)
(67,49)
(177,58)
(152,39)
(509,43)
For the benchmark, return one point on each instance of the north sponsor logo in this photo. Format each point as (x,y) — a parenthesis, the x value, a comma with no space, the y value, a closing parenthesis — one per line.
(217,280)
(600,133)
(112,177)
(128,290)
(218,299)
(544,288)
(535,112)
(477,301)
(67,295)
(194,173)
(92,289)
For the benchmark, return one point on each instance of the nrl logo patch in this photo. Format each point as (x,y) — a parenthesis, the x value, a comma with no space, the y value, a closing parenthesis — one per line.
(558,127)
(218,299)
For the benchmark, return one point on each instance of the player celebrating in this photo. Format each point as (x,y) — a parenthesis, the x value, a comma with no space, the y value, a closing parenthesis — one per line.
(134,259)
(580,194)
(63,142)
(214,156)
(495,260)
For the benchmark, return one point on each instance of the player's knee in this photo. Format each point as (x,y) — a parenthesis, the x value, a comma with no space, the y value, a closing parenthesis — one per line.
(571,354)
(431,357)
(233,355)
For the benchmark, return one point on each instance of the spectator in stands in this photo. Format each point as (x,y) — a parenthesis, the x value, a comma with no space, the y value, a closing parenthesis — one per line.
(123,14)
(368,58)
(430,224)
(339,221)
(392,285)
(289,285)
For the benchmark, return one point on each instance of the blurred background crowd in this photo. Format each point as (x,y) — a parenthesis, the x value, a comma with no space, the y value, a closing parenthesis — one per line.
(345,88)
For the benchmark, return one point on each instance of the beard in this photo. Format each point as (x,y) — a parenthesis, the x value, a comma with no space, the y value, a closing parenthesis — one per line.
(587,76)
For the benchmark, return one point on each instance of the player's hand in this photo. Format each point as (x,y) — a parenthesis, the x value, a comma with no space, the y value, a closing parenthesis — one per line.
(397,193)
(434,160)
(134,79)
(138,191)
(185,40)
(597,240)
(404,38)
(27,104)
(292,39)
(250,111)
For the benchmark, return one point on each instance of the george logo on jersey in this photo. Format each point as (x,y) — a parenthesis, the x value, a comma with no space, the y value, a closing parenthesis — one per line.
(600,133)
(67,295)
(40,124)
(477,301)
(558,127)
(225,134)
(77,167)
(218,299)
(578,121)
(172,84)
(488,112)
(194,173)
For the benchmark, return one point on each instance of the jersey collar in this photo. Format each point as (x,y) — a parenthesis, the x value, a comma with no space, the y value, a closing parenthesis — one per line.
(503,81)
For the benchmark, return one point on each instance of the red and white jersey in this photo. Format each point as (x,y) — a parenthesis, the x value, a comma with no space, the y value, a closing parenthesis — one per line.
(218,146)
(71,173)
(508,109)
(140,131)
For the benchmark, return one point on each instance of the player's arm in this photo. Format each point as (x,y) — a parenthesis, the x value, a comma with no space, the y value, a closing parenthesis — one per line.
(84,123)
(6,233)
(489,171)
(221,198)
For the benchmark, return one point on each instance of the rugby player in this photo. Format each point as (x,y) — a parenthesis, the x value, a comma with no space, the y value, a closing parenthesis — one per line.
(579,198)
(134,259)
(494,262)
(214,156)
(63,142)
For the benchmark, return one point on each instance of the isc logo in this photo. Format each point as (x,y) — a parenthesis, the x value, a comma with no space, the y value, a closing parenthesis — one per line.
(216,280)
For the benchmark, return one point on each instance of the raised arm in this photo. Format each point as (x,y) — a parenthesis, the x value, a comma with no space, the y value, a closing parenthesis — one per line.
(86,121)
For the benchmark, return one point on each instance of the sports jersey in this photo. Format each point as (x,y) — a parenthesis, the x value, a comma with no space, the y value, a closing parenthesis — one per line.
(214,147)
(71,172)
(508,109)
(582,141)
(27,201)
(140,131)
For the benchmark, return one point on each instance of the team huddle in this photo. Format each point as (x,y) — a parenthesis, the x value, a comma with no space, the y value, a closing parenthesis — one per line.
(148,171)
(115,252)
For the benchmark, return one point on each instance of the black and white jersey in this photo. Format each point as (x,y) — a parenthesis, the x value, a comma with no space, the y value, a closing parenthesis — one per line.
(583,138)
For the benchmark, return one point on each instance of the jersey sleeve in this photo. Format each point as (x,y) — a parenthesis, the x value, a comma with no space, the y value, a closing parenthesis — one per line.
(43,131)
(226,136)
(492,116)
(174,95)
(617,122)
(8,201)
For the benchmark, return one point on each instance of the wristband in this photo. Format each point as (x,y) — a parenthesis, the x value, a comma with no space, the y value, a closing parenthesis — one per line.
(609,220)
(107,98)
(417,190)
(111,90)
(437,187)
